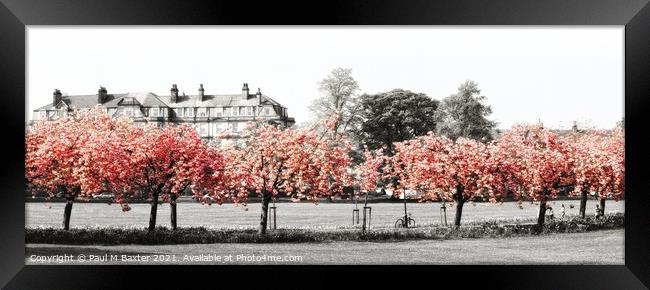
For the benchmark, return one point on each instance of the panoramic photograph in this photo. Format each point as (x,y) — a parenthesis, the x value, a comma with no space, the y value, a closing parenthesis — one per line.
(212,145)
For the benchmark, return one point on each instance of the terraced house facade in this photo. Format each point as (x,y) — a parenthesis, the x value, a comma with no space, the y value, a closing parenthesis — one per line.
(224,116)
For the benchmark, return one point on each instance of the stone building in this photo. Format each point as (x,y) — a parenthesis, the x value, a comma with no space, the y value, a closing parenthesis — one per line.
(211,115)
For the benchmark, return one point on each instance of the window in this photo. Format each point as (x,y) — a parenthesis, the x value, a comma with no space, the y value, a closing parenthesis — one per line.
(218,128)
(202,112)
(227,111)
(235,111)
(153,112)
(218,112)
(189,112)
(249,111)
(203,129)
(179,112)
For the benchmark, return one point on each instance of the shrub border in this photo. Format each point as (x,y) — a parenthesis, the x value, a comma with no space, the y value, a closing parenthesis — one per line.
(203,235)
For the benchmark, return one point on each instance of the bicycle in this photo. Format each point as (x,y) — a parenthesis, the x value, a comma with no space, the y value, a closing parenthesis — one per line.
(401,224)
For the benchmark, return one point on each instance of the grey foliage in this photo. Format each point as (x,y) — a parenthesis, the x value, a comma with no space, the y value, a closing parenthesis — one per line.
(463,114)
(339,96)
(395,116)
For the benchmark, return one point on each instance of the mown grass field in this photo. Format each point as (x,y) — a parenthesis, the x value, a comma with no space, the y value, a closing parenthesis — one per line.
(599,247)
(289,215)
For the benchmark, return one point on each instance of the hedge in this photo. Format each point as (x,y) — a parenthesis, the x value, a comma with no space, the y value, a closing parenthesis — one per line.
(202,235)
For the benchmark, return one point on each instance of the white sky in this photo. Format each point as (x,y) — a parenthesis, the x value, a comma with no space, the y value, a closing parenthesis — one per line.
(554,74)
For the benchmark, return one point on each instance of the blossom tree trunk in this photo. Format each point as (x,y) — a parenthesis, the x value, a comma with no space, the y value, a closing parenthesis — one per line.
(266,198)
(154,210)
(542,212)
(67,211)
(172,205)
(583,203)
(602,207)
(459,211)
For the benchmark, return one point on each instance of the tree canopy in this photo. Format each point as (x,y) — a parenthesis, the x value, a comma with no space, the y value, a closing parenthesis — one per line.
(339,98)
(395,116)
(463,114)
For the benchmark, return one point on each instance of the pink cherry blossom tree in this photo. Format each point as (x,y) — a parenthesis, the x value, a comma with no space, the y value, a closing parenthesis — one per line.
(306,163)
(439,169)
(599,165)
(541,162)
(614,186)
(162,164)
(455,171)
(61,156)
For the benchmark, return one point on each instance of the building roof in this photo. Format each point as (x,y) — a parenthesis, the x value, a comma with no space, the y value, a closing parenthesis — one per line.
(216,101)
(148,99)
(80,101)
(142,98)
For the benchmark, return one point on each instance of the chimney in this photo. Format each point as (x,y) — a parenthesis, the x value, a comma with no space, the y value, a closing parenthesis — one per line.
(201,92)
(56,97)
(259,95)
(174,93)
(244,91)
(101,95)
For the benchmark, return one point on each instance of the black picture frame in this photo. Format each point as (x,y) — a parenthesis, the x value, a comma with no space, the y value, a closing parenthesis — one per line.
(15,15)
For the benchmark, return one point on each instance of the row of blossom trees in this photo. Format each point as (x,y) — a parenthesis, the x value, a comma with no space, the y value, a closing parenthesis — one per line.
(89,152)
(526,162)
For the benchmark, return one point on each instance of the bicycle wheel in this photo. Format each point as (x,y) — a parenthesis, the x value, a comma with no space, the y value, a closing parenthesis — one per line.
(411,223)
(399,223)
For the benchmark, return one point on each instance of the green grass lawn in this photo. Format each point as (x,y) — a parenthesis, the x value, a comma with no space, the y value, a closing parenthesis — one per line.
(289,215)
(598,247)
